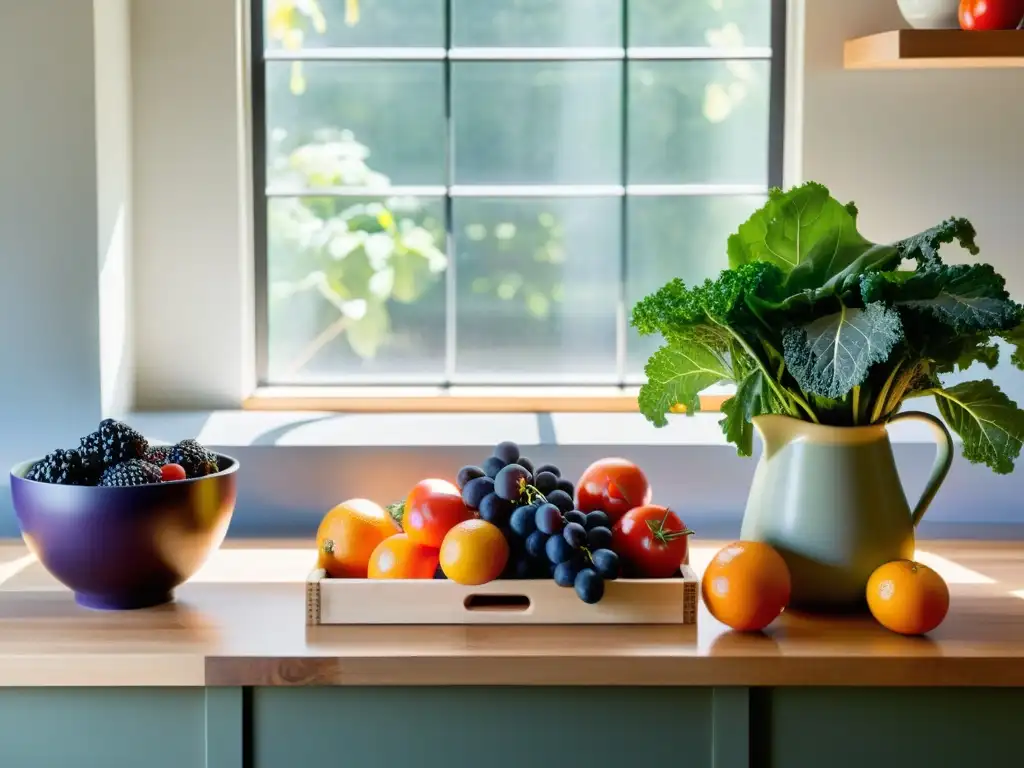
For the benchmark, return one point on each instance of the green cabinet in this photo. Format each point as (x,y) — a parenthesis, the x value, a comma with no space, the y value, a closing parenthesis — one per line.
(499,727)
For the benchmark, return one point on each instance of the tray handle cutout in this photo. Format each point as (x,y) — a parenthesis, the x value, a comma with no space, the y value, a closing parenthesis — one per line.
(510,603)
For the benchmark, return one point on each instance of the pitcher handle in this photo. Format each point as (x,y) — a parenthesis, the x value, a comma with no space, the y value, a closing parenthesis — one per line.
(943,459)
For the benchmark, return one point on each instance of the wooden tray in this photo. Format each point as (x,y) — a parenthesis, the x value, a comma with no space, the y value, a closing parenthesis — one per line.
(505,601)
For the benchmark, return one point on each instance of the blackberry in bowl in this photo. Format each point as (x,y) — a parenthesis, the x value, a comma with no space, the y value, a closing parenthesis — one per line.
(118,521)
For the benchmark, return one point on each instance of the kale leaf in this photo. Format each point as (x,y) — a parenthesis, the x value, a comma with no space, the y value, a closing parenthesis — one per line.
(831,355)
(989,423)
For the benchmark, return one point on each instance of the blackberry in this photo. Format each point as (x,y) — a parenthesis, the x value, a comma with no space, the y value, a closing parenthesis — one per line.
(113,443)
(194,458)
(62,467)
(131,472)
(157,454)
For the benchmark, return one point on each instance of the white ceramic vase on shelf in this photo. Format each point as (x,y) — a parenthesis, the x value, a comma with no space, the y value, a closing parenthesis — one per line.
(931,14)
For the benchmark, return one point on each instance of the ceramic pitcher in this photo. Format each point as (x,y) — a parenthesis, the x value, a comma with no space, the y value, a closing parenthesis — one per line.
(830,501)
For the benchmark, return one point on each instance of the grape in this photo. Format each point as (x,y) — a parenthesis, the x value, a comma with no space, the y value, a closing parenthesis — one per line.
(524,521)
(549,468)
(535,544)
(599,538)
(575,516)
(565,573)
(475,491)
(466,474)
(575,534)
(566,486)
(561,499)
(507,451)
(549,519)
(598,519)
(495,509)
(507,483)
(589,586)
(545,482)
(492,466)
(606,563)
(558,549)
(439,573)
(525,462)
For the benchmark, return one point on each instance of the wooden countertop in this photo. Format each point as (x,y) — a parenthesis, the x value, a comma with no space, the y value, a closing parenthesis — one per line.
(241,622)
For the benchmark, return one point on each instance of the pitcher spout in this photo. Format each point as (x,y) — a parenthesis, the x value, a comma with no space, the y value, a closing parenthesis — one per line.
(777,431)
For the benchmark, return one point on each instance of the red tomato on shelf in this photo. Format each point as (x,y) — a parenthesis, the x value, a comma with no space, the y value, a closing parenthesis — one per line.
(652,540)
(613,486)
(432,508)
(989,15)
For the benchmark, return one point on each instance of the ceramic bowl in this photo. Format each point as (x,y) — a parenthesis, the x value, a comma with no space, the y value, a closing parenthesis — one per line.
(124,548)
(931,14)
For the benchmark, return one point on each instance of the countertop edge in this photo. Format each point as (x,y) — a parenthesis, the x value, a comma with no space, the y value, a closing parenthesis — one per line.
(698,671)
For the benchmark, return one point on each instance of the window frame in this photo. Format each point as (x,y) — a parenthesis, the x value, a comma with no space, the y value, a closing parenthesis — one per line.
(450,395)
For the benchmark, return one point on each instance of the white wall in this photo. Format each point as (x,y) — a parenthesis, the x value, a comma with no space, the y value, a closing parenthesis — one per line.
(113,165)
(192,257)
(49,327)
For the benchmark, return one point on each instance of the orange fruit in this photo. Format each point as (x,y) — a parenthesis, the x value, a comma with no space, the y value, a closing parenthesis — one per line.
(746,585)
(907,597)
(398,557)
(347,536)
(474,552)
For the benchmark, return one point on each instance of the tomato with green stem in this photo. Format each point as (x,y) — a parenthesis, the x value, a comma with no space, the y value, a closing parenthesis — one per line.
(652,540)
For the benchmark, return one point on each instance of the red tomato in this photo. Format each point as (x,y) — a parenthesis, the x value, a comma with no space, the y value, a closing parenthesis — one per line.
(432,508)
(987,15)
(613,486)
(652,540)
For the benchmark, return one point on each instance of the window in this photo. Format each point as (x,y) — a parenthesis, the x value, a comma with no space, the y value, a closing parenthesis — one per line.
(476,192)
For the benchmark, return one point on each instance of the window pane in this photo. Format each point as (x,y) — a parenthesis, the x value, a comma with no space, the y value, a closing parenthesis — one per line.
(682,237)
(537,122)
(291,24)
(356,289)
(393,110)
(715,23)
(537,287)
(698,122)
(536,23)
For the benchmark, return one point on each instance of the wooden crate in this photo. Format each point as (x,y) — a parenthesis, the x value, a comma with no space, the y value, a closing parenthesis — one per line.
(534,601)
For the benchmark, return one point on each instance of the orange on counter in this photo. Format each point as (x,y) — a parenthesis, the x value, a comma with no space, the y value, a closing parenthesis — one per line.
(399,558)
(431,509)
(746,586)
(347,536)
(907,597)
(474,552)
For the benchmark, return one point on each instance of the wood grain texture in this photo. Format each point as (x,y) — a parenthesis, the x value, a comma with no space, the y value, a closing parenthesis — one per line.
(353,602)
(443,401)
(934,49)
(242,622)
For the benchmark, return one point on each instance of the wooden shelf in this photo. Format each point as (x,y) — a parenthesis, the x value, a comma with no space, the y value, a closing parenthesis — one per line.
(935,49)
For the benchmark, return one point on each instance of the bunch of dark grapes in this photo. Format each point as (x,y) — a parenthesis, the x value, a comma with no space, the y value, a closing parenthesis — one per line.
(547,536)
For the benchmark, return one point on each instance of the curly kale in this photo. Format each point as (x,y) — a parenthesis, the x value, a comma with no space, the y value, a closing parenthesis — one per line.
(815,321)
(725,301)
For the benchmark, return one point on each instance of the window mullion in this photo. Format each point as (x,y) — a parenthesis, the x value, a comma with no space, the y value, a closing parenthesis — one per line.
(451,277)
(622,312)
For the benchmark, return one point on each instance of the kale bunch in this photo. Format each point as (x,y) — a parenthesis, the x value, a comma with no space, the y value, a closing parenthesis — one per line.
(814,321)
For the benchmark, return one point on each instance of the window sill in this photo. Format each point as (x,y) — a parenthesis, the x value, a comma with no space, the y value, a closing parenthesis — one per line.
(328,428)
(460,399)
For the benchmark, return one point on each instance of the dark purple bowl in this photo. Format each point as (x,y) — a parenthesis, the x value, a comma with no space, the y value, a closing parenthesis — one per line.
(122,548)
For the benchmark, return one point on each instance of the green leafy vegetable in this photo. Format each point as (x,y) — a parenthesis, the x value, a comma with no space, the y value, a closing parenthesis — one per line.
(814,320)
(831,355)
(989,423)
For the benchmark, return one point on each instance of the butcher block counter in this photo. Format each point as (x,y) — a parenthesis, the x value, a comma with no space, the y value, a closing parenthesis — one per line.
(230,675)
